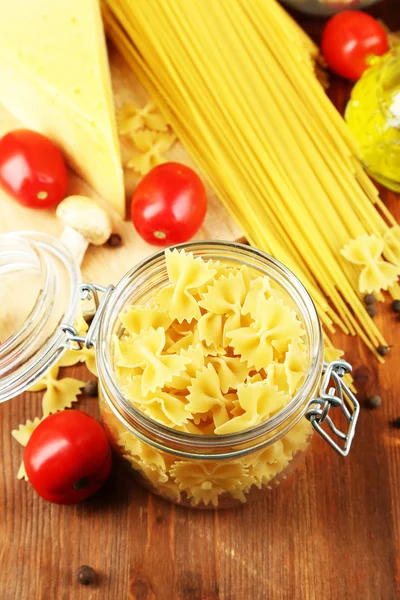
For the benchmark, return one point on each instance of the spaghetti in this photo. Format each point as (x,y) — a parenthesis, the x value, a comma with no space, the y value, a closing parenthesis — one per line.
(236,82)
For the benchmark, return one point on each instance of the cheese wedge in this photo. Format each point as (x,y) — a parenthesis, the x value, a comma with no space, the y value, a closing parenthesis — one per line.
(55,78)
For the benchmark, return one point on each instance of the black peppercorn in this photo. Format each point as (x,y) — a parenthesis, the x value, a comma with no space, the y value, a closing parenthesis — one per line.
(371,310)
(369,299)
(114,240)
(382,350)
(86,575)
(373,402)
(396,423)
(396,306)
(91,388)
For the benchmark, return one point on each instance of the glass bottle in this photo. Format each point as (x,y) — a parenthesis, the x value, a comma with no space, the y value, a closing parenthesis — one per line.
(373,115)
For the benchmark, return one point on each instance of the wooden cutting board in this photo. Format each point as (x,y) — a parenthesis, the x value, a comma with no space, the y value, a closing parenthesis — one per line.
(106,265)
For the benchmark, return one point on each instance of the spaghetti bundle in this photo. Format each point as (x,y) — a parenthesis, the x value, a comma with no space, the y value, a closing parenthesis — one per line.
(236,81)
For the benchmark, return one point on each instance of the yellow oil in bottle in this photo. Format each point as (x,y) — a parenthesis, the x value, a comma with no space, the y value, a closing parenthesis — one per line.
(373,115)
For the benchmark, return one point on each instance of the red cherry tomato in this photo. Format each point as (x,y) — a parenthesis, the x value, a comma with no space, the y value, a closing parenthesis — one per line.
(348,39)
(68,457)
(32,169)
(169,204)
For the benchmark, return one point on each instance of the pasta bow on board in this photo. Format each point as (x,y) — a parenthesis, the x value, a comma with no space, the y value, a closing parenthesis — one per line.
(186,274)
(366,250)
(144,351)
(151,145)
(131,118)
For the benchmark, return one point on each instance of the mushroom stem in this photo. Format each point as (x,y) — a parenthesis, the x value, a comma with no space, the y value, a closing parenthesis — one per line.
(85,223)
(75,242)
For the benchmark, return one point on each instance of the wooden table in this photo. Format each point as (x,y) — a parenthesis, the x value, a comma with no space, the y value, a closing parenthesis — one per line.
(332,531)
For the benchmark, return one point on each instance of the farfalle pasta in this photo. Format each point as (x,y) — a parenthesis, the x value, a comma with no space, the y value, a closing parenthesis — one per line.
(131,118)
(366,251)
(151,146)
(60,393)
(218,350)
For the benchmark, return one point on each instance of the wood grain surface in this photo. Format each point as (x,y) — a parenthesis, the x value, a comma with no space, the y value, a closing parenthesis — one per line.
(330,532)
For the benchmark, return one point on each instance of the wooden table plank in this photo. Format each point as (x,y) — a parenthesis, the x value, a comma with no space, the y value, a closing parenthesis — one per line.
(331,531)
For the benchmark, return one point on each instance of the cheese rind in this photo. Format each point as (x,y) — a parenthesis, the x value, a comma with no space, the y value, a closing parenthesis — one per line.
(54,77)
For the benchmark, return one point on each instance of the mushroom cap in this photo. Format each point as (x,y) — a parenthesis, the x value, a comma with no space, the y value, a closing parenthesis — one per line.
(87,218)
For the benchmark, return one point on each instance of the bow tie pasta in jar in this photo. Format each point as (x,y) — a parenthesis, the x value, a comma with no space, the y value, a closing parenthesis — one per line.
(209,357)
(212,357)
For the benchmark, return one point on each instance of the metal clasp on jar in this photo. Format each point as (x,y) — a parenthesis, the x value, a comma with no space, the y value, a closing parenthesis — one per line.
(89,291)
(334,393)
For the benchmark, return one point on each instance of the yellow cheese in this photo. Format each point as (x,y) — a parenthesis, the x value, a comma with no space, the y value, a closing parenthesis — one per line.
(54,77)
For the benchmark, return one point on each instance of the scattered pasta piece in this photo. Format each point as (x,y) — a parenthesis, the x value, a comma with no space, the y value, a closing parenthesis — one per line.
(79,355)
(22,435)
(24,432)
(151,146)
(130,118)
(22,472)
(60,393)
(366,250)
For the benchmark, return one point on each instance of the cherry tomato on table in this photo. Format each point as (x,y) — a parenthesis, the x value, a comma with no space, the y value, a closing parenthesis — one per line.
(169,204)
(32,169)
(349,39)
(68,457)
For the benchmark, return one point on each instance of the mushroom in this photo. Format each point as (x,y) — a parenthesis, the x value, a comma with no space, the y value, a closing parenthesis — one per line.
(85,223)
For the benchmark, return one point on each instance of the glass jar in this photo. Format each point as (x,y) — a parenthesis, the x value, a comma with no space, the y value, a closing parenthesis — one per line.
(190,469)
(39,288)
(373,115)
(325,8)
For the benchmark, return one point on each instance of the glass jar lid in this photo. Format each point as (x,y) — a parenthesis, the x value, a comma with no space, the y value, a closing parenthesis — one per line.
(39,289)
